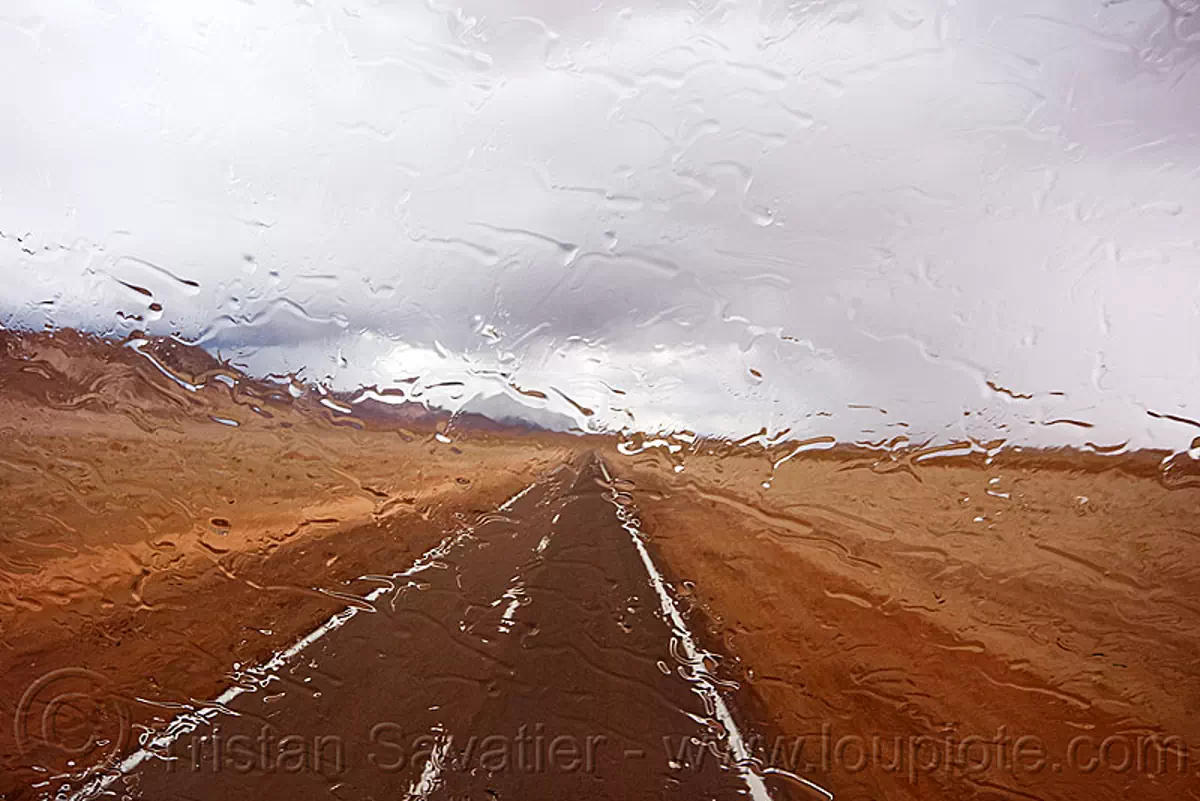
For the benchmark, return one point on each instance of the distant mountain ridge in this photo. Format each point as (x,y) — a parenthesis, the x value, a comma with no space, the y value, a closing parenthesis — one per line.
(70,369)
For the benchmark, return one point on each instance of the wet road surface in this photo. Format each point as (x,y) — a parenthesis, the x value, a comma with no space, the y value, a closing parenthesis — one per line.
(532,657)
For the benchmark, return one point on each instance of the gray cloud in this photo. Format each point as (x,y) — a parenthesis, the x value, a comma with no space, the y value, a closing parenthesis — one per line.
(882,205)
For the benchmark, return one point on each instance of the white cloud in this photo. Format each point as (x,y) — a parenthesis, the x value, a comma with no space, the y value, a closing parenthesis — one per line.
(882,204)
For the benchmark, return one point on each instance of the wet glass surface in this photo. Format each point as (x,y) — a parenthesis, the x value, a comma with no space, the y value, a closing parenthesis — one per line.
(521,400)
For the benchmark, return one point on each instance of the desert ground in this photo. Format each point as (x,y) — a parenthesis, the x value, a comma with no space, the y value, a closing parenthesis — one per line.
(146,541)
(893,625)
(1042,609)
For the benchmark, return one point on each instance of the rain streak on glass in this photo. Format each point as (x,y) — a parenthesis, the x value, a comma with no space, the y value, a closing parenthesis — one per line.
(541,400)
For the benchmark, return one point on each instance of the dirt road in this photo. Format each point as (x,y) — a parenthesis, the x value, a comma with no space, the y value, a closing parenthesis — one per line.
(537,656)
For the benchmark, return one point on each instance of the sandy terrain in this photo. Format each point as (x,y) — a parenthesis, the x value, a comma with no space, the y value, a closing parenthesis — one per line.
(147,541)
(907,628)
(871,599)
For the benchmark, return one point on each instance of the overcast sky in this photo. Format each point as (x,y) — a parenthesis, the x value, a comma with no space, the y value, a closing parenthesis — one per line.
(839,217)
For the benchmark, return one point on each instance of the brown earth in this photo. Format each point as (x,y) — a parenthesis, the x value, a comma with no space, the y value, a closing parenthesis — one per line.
(146,541)
(1026,626)
(1051,598)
